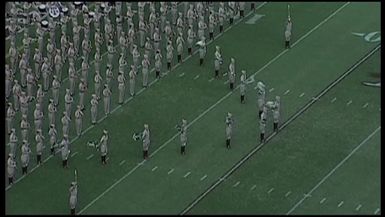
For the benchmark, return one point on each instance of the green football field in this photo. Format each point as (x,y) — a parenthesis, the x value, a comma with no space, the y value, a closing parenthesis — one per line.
(325,159)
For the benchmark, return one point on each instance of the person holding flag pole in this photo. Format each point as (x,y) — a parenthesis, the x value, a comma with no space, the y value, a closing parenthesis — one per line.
(73,193)
(288,28)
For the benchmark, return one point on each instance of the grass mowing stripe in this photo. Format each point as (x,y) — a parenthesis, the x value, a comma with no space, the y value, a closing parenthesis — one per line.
(311,102)
(334,169)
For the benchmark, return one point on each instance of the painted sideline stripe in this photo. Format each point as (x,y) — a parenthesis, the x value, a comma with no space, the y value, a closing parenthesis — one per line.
(334,169)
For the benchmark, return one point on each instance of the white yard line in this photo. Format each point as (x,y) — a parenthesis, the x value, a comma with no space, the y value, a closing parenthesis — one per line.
(341,203)
(236,184)
(366,105)
(181,74)
(196,77)
(377,211)
(358,207)
(302,94)
(187,174)
(288,193)
(323,200)
(224,74)
(271,190)
(350,102)
(286,92)
(271,90)
(253,187)
(333,100)
(226,82)
(211,79)
(153,169)
(266,65)
(203,177)
(122,162)
(90,156)
(169,172)
(201,115)
(74,154)
(333,170)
